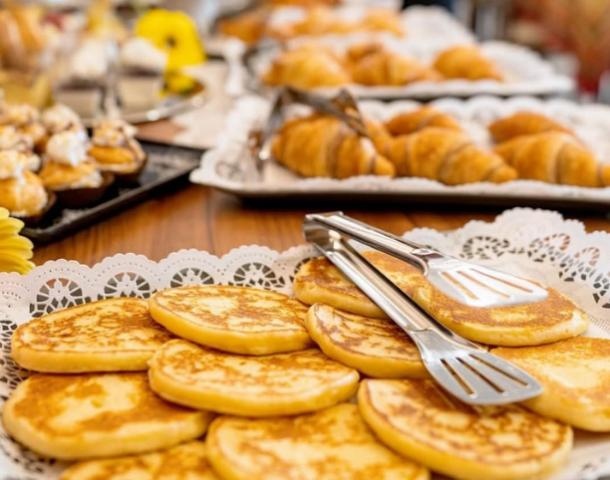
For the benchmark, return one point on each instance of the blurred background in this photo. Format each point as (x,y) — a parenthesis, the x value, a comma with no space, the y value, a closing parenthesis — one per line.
(573,34)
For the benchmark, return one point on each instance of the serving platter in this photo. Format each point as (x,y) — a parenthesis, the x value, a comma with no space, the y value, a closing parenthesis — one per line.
(525,72)
(533,243)
(230,168)
(165,165)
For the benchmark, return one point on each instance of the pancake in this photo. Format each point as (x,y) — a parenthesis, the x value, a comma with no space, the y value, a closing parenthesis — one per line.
(233,319)
(419,420)
(318,281)
(373,346)
(184,462)
(328,445)
(96,415)
(555,318)
(109,335)
(575,375)
(279,384)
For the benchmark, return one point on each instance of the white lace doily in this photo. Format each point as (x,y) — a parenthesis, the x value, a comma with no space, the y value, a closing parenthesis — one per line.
(230,167)
(535,243)
(525,72)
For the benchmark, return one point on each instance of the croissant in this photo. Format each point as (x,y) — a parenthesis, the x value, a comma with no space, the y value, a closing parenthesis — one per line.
(249,26)
(323,146)
(554,157)
(382,20)
(308,66)
(373,65)
(319,20)
(448,156)
(410,122)
(466,61)
(524,123)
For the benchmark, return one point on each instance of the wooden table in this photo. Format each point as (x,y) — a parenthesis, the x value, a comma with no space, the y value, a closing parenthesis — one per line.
(197,217)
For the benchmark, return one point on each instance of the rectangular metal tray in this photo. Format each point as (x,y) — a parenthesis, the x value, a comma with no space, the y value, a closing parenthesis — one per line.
(166,165)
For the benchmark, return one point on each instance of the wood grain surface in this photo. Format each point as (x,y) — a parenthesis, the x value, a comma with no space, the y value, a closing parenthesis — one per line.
(197,217)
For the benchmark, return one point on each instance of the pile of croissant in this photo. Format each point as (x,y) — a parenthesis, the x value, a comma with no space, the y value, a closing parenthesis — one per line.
(318,19)
(430,144)
(312,65)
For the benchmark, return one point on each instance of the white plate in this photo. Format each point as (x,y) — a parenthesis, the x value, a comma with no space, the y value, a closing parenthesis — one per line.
(536,244)
(229,167)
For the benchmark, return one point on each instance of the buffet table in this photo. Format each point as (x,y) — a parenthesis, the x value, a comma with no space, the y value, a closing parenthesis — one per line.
(200,218)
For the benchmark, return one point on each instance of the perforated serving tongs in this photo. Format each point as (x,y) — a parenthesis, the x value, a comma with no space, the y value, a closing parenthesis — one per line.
(468,283)
(464,369)
(343,106)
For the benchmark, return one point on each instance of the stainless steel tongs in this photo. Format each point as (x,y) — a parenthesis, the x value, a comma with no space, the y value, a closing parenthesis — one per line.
(343,106)
(466,282)
(464,369)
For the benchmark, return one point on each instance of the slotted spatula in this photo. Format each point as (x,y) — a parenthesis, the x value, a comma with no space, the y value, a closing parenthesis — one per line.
(466,282)
(461,367)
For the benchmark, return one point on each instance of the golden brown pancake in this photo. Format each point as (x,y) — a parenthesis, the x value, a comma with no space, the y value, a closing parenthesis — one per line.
(419,420)
(233,319)
(555,318)
(279,384)
(575,375)
(109,335)
(184,462)
(96,415)
(327,445)
(374,346)
(318,281)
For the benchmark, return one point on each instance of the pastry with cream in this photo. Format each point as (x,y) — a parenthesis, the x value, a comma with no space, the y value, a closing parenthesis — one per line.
(26,120)
(142,66)
(11,139)
(68,169)
(60,118)
(115,149)
(22,192)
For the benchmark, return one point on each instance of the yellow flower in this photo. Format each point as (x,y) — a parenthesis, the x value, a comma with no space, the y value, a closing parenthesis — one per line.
(15,251)
(176,34)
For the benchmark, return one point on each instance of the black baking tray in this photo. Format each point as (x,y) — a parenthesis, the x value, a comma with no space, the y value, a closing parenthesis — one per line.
(166,165)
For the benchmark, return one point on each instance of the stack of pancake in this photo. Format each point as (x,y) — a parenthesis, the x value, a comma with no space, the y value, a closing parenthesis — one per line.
(225,382)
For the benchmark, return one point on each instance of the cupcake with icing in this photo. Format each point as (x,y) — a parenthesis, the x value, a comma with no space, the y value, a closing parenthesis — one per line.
(115,149)
(70,172)
(142,66)
(22,192)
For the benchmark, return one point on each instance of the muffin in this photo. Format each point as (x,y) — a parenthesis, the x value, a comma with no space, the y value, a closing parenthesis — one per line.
(71,173)
(22,192)
(115,149)
(142,66)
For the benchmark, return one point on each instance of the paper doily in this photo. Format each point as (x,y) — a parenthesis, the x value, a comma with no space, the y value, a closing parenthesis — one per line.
(230,167)
(539,244)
